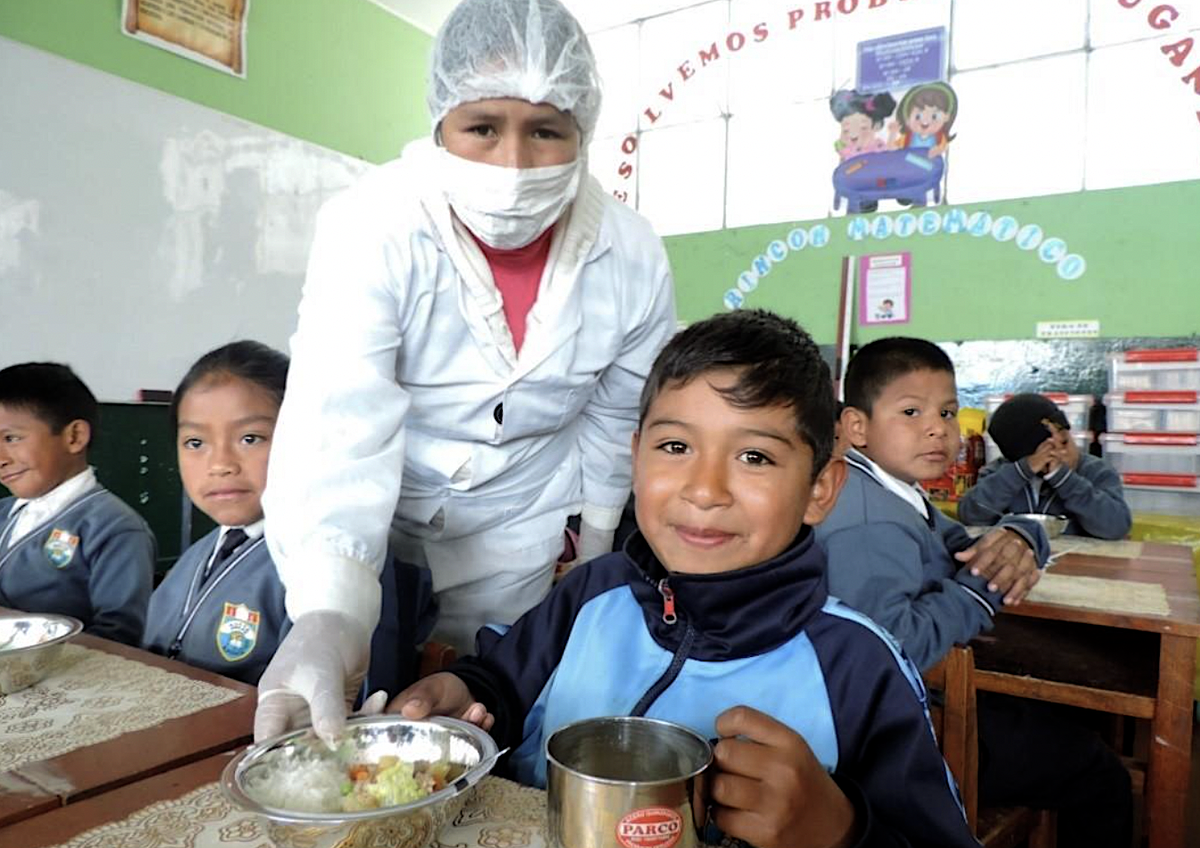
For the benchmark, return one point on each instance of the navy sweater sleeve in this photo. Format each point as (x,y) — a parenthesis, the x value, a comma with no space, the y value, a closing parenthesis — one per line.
(991,498)
(1096,501)
(513,670)
(889,764)
(121,575)
(879,570)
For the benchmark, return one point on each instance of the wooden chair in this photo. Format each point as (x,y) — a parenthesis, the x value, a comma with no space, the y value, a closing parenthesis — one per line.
(435,656)
(956,723)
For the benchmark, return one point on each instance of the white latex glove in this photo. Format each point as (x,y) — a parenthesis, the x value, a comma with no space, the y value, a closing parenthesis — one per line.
(594,542)
(313,677)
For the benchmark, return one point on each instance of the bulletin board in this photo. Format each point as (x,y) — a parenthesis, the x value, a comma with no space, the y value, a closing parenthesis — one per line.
(139,230)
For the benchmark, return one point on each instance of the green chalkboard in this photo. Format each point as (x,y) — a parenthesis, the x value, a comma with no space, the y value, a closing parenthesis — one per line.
(134,456)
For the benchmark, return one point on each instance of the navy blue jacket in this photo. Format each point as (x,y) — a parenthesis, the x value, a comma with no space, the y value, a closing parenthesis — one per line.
(231,623)
(767,636)
(93,560)
(1091,496)
(898,567)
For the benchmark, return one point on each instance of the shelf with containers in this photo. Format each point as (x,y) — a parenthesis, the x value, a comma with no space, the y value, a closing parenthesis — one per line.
(1166,370)
(1154,412)
(1161,471)
(1153,441)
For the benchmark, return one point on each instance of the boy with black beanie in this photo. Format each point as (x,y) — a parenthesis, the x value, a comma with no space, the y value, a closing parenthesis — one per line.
(1043,471)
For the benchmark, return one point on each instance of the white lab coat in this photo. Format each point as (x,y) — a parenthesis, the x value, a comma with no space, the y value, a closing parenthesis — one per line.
(408,406)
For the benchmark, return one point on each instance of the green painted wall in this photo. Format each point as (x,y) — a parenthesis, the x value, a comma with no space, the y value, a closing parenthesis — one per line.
(344,74)
(1141,246)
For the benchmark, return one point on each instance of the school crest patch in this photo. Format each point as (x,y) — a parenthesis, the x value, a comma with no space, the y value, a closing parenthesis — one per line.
(60,547)
(238,631)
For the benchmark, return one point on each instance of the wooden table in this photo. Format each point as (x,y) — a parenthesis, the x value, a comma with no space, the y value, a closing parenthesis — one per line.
(36,787)
(62,824)
(1127,664)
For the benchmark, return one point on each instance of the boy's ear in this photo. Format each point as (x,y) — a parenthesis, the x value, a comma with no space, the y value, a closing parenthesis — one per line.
(854,426)
(825,491)
(637,437)
(77,436)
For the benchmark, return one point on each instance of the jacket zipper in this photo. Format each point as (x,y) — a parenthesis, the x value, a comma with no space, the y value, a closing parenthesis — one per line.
(668,596)
(681,653)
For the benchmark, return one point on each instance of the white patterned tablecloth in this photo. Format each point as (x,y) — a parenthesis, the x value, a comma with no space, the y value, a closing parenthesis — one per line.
(90,697)
(498,814)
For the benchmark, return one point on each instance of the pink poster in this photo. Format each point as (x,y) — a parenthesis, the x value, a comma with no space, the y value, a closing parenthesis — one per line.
(885,288)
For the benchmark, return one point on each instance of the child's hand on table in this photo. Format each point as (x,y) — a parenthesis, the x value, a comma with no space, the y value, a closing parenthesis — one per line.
(1006,561)
(443,694)
(769,790)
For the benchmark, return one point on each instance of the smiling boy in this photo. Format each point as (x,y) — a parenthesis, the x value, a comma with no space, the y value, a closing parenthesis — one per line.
(67,545)
(715,615)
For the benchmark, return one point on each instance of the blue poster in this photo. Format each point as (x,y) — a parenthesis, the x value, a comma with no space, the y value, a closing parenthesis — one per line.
(901,61)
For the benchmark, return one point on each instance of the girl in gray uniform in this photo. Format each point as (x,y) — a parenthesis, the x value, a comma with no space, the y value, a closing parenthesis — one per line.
(221,606)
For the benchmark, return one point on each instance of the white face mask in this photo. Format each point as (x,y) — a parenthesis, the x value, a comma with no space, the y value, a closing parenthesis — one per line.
(507,208)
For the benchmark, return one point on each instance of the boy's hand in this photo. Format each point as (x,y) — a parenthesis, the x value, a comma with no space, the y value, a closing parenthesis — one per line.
(441,694)
(1006,561)
(1066,452)
(1039,461)
(769,789)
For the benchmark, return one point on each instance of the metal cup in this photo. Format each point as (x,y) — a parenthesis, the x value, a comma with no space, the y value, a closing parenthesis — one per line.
(625,782)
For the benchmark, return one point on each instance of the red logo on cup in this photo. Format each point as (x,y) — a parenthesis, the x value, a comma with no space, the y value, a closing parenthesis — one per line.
(652,827)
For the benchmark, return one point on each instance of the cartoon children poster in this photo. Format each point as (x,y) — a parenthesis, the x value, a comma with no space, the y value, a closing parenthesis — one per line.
(906,167)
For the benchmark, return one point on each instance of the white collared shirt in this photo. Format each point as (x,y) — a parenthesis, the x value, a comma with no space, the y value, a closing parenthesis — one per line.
(35,511)
(252,531)
(910,492)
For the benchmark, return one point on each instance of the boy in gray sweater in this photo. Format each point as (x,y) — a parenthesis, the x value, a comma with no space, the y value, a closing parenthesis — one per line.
(1043,471)
(919,574)
(67,545)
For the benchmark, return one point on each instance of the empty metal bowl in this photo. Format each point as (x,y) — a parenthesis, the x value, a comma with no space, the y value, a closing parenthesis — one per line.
(29,646)
(1054,525)
(253,778)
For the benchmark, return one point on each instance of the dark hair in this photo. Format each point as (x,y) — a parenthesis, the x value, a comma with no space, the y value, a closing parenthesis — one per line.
(247,360)
(876,365)
(52,392)
(939,95)
(875,106)
(779,362)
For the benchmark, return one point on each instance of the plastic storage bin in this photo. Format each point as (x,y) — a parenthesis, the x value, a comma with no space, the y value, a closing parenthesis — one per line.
(1170,454)
(1156,412)
(1178,499)
(991,452)
(1167,370)
(1075,407)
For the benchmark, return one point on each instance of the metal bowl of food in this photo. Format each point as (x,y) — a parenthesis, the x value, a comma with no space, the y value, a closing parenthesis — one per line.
(1054,525)
(389,781)
(29,647)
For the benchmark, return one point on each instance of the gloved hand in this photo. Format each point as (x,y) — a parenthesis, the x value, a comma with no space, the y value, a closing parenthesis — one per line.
(314,676)
(594,542)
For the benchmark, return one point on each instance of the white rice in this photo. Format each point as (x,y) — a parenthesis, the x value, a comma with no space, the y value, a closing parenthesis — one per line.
(298,785)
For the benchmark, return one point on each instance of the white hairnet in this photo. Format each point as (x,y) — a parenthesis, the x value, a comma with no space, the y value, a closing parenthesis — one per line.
(534,50)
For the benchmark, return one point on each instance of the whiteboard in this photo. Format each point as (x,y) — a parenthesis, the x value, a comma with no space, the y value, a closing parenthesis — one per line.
(139,230)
